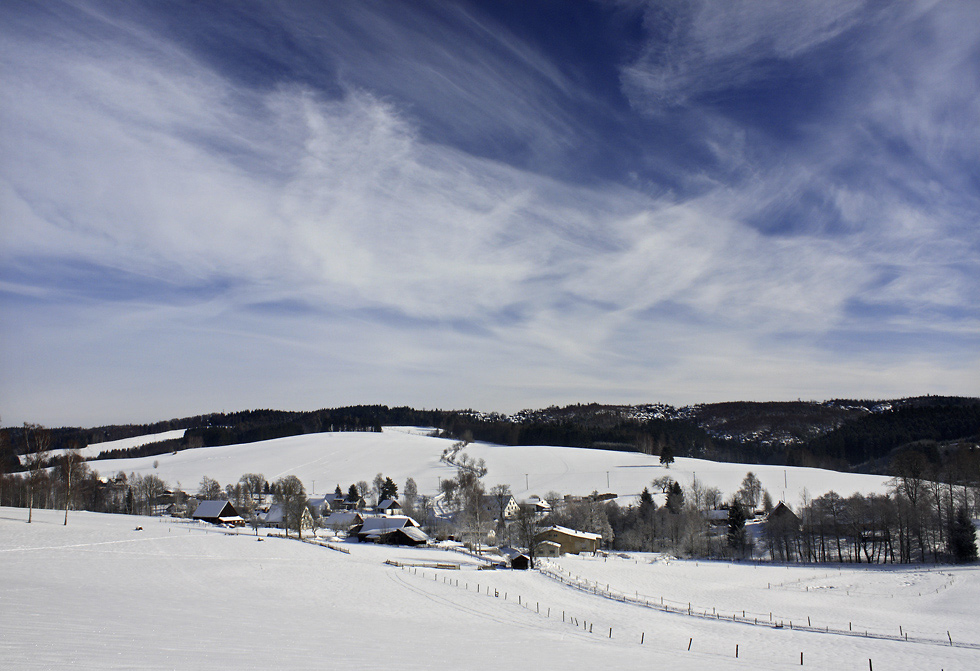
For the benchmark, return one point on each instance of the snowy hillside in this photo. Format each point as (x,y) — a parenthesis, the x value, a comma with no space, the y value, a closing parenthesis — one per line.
(324,460)
(93,450)
(98,594)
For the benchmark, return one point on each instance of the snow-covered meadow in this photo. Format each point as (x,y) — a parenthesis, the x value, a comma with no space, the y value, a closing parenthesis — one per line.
(95,449)
(324,460)
(100,594)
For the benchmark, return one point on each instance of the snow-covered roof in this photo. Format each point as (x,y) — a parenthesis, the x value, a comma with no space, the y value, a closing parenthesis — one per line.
(509,552)
(274,516)
(415,534)
(213,509)
(385,523)
(342,518)
(388,503)
(573,532)
(539,502)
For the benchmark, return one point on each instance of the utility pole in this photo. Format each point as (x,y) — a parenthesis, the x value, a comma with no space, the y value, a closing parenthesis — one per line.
(526,486)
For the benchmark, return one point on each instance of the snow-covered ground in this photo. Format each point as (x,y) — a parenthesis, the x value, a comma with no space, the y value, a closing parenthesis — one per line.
(93,450)
(99,594)
(324,460)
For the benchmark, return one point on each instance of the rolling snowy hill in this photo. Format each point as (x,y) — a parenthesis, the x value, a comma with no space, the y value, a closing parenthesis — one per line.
(324,460)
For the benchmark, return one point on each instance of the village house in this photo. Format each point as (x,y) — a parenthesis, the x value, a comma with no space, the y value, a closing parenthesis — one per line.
(218,512)
(492,505)
(716,518)
(274,518)
(390,529)
(540,506)
(343,520)
(389,507)
(319,505)
(781,526)
(570,540)
(547,549)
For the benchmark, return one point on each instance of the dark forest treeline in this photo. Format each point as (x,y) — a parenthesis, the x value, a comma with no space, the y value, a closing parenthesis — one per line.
(840,434)
(876,436)
(216,429)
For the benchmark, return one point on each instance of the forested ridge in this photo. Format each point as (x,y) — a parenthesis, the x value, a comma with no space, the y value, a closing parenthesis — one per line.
(841,434)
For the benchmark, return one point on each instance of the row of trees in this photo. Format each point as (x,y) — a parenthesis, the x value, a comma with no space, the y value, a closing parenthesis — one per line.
(931,524)
(918,521)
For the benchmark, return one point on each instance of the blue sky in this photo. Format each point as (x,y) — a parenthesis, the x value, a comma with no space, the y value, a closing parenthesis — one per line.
(498,205)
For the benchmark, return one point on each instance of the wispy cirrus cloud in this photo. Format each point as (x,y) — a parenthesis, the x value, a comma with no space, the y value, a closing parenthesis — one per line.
(285,236)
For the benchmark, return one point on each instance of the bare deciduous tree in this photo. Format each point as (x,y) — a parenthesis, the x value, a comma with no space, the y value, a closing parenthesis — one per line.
(209,489)
(289,492)
(252,486)
(750,491)
(526,525)
(38,441)
(71,466)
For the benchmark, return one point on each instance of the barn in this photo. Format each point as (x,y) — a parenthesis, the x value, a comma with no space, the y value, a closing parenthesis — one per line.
(218,512)
(391,529)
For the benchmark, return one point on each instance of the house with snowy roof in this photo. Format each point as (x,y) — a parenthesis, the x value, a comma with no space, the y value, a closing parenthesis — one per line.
(571,541)
(539,506)
(515,558)
(217,512)
(389,507)
(274,518)
(547,549)
(319,505)
(494,505)
(390,529)
(343,520)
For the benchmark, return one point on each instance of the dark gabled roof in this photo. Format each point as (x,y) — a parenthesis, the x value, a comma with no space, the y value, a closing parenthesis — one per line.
(782,511)
(375,526)
(414,533)
(212,510)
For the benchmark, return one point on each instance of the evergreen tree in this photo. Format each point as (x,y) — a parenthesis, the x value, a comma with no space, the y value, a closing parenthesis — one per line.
(389,490)
(666,455)
(338,493)
(647,506)
(675,498)
(736,528)
(352,494)
(962,537)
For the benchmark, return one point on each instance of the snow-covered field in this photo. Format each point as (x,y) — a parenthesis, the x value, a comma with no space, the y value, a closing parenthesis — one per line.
(99,594)
(324,460)
(93,450)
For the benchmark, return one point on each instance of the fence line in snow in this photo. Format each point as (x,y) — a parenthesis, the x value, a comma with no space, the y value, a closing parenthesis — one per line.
(746,617)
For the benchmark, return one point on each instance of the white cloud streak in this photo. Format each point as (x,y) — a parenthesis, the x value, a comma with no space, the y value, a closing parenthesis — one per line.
(409,271)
